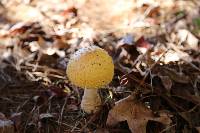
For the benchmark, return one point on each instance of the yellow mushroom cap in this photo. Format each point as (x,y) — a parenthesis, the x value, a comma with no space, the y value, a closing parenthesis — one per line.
(90,68)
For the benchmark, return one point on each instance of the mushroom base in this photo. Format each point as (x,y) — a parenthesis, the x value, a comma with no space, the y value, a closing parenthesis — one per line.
(91,101)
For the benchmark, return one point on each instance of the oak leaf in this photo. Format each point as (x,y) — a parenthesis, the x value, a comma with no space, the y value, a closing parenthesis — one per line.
(135,113)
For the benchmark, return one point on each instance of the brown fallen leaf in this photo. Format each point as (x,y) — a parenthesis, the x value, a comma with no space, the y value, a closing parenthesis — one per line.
(135,113)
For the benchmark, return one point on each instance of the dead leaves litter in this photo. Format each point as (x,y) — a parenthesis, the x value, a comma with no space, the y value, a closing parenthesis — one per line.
(6,125)
(135,113)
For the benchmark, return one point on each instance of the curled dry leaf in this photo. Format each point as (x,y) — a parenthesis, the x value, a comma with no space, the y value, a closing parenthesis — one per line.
(135,113)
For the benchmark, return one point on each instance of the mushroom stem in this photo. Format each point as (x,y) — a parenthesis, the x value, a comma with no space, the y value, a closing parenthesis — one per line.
(91,100)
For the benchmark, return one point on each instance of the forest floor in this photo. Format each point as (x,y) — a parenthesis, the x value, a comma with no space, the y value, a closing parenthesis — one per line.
(155,49)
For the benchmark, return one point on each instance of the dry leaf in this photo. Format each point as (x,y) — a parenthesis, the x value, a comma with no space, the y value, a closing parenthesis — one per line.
(135,113)
(186,36)
(176,76)
(166,81)
(25,13)
(6,126)
(127,49)
(48,47)
(16,118)
(171,56)
(154,11)
(71,11)
(2,116)
(198,129)
(142,45)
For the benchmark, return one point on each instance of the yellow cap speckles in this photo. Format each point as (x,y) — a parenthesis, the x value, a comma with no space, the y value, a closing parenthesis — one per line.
(90,67)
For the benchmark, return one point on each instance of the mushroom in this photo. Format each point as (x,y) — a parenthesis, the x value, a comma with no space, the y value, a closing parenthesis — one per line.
(90,68)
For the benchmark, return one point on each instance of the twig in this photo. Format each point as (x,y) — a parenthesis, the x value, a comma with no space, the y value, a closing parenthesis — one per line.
(61,115)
